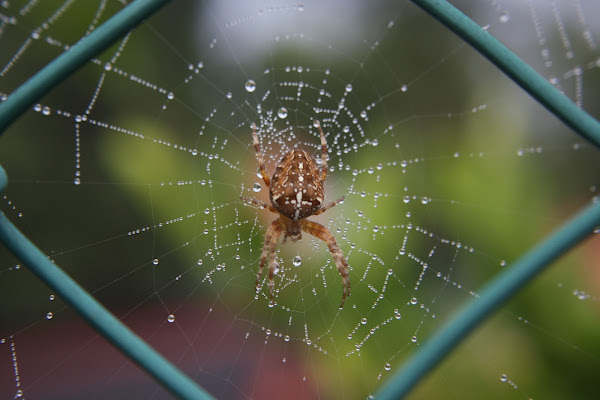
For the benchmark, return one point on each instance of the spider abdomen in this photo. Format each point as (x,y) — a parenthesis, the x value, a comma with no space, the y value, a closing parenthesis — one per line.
(296,190)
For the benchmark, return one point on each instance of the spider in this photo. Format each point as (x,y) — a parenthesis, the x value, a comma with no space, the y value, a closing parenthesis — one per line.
(296,192)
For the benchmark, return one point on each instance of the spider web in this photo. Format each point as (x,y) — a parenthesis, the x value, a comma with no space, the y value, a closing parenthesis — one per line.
(129,176)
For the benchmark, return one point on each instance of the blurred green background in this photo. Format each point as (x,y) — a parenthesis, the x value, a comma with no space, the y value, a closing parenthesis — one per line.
(453,166)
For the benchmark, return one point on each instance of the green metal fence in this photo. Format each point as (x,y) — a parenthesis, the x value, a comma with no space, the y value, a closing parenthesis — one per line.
(439,345)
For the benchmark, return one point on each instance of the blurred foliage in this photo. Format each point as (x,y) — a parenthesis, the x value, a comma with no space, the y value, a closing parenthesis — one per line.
(479,190)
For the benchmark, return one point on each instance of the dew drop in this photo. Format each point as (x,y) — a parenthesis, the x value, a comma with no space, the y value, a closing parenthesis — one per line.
(46,110)
(503,378)
(287,338)
(199,261)
(77,181)
(282,113)
(155,261)
(348,88)
(51,297)
(250,86)
(413,339)
(170,96)
(387,367)
(297,261)
(363,321)
(256,187)
(504,17)
(171,318)
(49,315)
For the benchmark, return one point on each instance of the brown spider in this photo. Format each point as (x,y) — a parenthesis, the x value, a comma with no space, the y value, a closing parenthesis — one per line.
(296,191)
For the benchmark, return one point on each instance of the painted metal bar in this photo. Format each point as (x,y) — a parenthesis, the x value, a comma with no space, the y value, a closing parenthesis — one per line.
(515,68)
(162,370)
(537,259)
(71,60)
(97,316)
(492,297)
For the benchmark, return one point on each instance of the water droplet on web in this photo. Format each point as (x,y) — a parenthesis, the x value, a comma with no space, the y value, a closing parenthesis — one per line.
(504,17)
(77,181)
(282,112)
(413,301)
(37,108)
(363,321)
(250,86)
(387,367)
(19,393)
(413,339)
(406,199)
(171,318)
(51,297)
(348,88)
(404,88)
(503,263)
(155,261)
(46,110)
(256,187)
(199,261)
(49,315)
(503,378)
(229,95)
(170,96)
(363,114)
(297,261)
(287,338)
(316,123)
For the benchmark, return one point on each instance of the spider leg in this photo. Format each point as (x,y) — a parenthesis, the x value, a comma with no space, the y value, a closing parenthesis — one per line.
(323,233)
(258,203)
(328,206)
(261,161)
(273,232)
(323,154)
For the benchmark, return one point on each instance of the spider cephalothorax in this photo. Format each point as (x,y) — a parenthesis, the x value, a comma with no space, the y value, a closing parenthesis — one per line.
(296,191)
